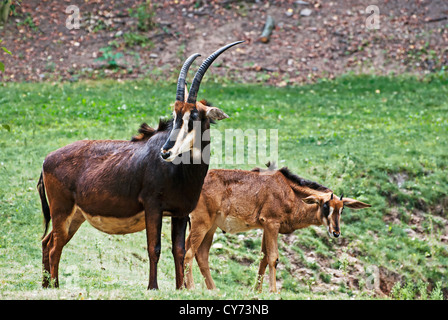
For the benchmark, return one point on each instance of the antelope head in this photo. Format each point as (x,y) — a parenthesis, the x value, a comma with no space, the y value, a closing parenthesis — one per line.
(189,115)
(330,210)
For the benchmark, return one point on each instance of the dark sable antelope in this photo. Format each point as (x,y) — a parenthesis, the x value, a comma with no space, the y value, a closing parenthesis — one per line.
(276,201)
(122,187)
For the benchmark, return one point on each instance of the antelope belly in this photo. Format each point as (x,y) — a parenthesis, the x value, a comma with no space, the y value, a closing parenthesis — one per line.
(233,225)
(114,225)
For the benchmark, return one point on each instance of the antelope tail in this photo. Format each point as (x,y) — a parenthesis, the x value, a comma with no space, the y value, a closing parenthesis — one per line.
(43,200)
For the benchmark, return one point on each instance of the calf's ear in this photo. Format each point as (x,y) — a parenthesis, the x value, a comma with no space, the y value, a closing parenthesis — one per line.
(311,199)
(355,204)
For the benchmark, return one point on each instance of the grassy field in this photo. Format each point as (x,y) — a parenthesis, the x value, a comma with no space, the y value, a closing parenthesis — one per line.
(381,140)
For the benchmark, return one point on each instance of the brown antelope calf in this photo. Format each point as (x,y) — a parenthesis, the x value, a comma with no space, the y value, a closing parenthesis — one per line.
(122,187)
(276,201)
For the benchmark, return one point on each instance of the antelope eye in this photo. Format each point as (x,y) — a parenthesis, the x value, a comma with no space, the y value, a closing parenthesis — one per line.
(326,209)
(193,117)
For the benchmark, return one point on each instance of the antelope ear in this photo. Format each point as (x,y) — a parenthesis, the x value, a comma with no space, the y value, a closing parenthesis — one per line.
(355,204)
(213,113)
(311,199)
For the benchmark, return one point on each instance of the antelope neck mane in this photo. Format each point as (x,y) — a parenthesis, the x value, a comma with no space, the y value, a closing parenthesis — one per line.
(301,185)
(145,131)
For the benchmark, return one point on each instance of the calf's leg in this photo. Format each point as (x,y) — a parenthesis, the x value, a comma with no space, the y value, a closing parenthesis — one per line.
(194,241)
(270,254)
(202,256)
(262,266)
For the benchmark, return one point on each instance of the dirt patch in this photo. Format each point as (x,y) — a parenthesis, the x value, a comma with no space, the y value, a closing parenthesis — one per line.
(441,207)
(388,279)
(343,272)
(423,218)
(332,38)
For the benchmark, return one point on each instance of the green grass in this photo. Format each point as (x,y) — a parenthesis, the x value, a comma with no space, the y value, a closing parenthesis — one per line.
(357,135)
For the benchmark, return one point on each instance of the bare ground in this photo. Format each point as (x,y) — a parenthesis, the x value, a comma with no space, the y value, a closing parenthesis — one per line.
(332,40)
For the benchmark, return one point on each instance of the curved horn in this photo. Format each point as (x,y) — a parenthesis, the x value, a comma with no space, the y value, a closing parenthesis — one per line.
(331,198)
(193,94)
(342,194)
(180,93)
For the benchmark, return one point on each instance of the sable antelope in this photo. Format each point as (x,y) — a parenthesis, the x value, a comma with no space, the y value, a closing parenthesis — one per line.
(276,201)
(121,187)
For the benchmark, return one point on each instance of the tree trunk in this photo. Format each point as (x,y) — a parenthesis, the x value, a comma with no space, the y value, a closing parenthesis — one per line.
(267,30)
(5,7)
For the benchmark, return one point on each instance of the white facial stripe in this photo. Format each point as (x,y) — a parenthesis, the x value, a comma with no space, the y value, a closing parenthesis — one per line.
(184,139)
(331,212)
(186,143)
(340,210)
(186,116)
